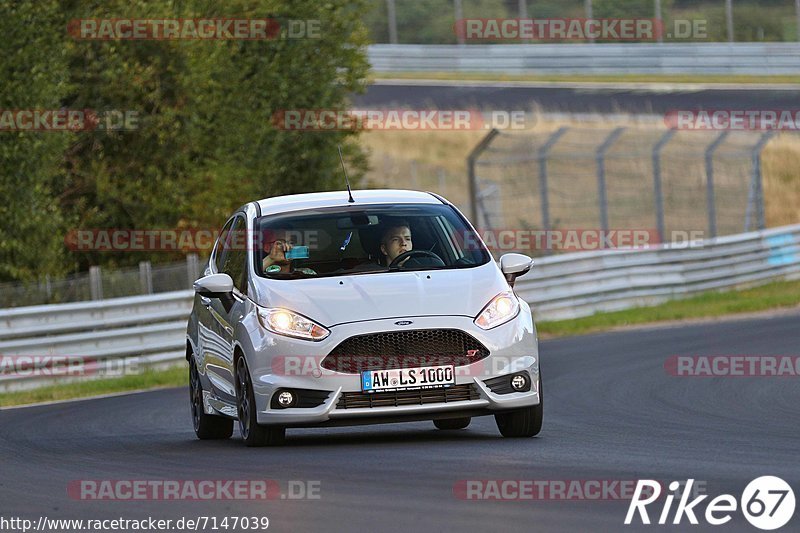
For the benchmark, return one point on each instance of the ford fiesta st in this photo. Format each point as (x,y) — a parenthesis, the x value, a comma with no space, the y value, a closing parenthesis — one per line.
(378,306)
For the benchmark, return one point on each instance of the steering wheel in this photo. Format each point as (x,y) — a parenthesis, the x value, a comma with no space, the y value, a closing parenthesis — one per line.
(411,253)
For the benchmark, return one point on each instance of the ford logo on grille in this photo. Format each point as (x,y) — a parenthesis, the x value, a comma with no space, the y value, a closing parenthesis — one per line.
(403,323)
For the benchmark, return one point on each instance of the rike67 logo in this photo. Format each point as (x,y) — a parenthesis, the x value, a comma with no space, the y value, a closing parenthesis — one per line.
(767,503)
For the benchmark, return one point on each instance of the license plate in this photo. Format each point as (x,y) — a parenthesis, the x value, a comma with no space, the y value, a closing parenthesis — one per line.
(424,377)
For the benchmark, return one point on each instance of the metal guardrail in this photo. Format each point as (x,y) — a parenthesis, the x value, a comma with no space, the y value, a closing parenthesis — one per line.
(586,58)
(150,330)
(144,331)
(580,284)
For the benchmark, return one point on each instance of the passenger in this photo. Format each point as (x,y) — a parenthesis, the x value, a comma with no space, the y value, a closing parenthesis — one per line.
(276,261)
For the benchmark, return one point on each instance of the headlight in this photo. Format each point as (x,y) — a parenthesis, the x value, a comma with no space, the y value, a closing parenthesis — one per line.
(284,322)
(501,309)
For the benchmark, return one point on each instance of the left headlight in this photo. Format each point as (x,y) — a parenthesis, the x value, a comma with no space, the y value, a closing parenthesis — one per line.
(285,322)
(500,310)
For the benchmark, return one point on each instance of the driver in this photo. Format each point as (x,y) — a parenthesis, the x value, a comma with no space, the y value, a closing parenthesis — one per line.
(396,240)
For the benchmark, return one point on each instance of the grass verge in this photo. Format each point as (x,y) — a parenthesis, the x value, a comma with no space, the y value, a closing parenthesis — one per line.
(149,379)
(622,78)
(783,294)
(777,295)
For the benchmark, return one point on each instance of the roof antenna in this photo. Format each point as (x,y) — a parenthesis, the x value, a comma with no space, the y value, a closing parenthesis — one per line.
(346,180)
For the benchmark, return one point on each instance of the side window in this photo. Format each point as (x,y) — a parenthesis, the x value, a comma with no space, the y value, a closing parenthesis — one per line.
(235,261)
(219,248)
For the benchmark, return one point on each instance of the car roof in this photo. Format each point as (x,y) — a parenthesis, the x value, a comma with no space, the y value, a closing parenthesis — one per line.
(297,202)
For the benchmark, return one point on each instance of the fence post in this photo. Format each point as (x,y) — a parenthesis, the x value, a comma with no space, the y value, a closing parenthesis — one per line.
(659,22)
(442,182)
(392,16)
(95,283)
(797,15)
(543,152)
(729,19)
(459,14)
(145,277)
(657,192)
(711,205)
(192,268)
(472,158)
(600,157)
(755,196)
(587,6)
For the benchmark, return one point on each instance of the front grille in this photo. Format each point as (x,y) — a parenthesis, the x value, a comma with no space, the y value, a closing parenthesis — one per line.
(405,349)
(455,393)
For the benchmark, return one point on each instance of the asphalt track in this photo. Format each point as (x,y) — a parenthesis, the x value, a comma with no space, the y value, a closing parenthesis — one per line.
(611,412)
(574,98)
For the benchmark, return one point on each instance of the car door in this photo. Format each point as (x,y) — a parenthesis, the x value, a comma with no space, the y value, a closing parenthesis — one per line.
(210,331)
(227,313)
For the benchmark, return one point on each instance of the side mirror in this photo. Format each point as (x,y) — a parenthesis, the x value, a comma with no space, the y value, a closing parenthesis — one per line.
(214,286)
(514,265)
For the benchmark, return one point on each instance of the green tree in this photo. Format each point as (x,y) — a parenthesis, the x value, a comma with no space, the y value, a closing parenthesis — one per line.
(205,141)
(33,71)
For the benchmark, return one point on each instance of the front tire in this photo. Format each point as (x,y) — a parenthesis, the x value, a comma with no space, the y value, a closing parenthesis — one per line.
(525,422)
(452,423)
(253,434)
(206,427)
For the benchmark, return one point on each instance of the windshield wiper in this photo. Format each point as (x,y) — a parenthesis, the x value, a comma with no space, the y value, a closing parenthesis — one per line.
(416,269)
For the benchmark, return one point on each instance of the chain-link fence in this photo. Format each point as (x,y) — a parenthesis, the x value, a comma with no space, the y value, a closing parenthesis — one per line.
(393,173)
(665,182)
(100,283)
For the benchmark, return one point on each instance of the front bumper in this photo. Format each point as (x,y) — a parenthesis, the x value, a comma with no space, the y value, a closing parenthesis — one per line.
(278,362)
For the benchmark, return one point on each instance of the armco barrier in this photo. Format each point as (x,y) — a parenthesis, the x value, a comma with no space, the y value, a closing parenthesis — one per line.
(145,331)
(580,284)
(587,58)
(150,330)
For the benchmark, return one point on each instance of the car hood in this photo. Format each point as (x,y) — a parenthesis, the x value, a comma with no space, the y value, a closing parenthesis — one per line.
(340,299)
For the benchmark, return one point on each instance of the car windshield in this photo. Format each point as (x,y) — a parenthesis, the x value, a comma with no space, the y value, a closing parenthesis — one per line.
(364,240)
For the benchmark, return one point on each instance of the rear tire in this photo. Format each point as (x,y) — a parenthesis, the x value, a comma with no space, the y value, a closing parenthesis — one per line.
(206,427)
(253,434)
(525,422)
(452,423)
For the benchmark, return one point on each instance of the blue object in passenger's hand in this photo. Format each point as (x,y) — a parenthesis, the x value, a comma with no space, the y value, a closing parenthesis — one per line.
(297,252)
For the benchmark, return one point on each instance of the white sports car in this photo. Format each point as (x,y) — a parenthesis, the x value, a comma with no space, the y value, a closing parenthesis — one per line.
(324,309)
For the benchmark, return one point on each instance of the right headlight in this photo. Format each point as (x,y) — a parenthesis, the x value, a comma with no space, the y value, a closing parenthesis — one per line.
(499,310)
(290,324)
